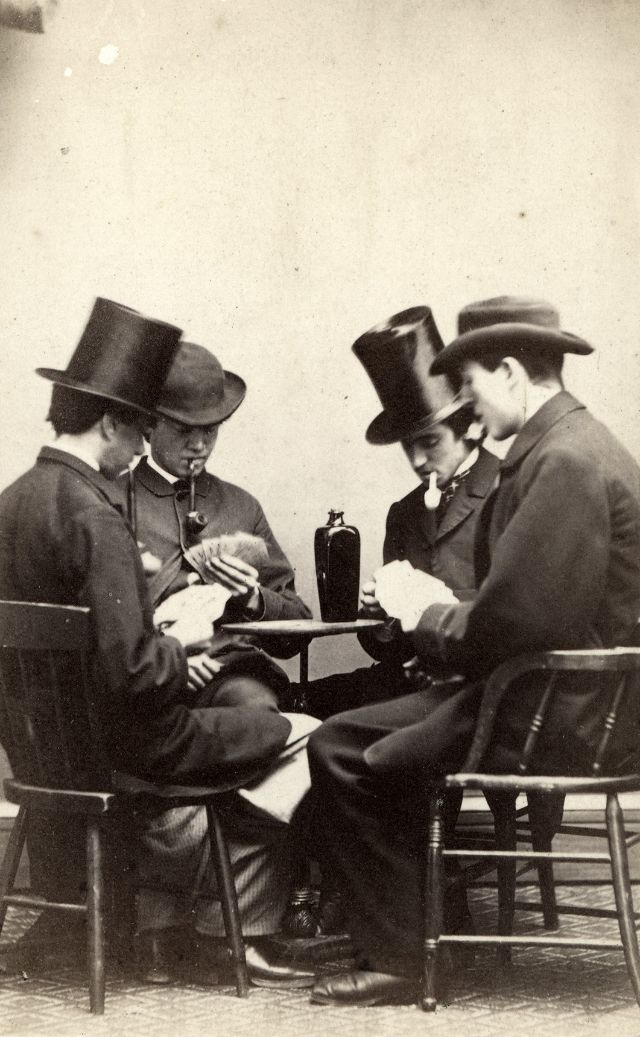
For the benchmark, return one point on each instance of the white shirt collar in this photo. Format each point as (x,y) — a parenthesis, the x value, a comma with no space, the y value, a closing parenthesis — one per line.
(468,462)
(156,468)
(70,445)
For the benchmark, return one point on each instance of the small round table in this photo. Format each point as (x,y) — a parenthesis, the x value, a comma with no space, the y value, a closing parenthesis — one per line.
(305,630)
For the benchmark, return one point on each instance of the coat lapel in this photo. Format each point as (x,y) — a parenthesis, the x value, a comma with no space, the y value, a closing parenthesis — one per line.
(471,494)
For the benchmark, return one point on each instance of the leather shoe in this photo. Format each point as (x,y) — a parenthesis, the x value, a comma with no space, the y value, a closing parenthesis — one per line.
(266,967)
(365,988)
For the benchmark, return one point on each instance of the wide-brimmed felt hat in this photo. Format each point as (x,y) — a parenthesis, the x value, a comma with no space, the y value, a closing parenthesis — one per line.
(198,391)
(509,324)
(397,355)
(122,356)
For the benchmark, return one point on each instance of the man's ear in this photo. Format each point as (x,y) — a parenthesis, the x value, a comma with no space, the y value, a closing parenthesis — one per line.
(107,426)
(513,370)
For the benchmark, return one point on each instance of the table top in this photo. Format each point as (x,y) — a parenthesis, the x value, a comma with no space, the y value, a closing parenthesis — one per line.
(309,628)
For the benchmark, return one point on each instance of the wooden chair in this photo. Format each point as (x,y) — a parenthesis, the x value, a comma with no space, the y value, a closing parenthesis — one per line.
(623,666)
(48,725)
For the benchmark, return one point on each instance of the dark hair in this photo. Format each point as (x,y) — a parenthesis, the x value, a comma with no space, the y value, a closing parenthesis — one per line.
(539,365)
(460,420)
(73,412)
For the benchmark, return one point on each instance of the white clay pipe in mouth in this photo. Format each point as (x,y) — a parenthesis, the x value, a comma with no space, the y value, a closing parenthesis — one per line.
(433,494)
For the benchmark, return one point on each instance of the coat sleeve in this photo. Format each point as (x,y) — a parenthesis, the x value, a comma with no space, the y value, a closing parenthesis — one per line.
(143,675)
(139,668)
(547,573)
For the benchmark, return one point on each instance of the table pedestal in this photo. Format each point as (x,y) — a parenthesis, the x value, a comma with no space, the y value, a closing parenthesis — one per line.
(300,919)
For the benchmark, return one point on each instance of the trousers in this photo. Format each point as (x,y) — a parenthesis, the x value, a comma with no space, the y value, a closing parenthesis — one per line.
(370,830)
(176,877)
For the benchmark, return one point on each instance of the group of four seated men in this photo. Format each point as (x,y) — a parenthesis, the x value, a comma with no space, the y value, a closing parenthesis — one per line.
(541,550)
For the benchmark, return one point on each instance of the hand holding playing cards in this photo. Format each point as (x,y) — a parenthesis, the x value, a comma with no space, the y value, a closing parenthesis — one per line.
(240,578)
(405,592)
(232,560)
(369,605)
(189,614)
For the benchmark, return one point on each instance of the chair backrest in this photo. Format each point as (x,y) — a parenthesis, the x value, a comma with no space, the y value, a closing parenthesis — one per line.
(48,712)
(615,720)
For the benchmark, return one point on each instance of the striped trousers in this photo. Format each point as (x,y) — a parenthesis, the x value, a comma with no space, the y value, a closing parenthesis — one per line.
(177,884)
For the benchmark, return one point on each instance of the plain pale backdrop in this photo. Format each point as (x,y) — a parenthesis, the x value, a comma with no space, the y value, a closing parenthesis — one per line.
(276,176)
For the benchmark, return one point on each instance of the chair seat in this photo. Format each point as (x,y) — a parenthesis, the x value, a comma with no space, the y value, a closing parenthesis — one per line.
(68,801)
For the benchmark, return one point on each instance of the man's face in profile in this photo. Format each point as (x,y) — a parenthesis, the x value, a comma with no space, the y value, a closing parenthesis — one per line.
(175,446)
(496,395)
(126,443)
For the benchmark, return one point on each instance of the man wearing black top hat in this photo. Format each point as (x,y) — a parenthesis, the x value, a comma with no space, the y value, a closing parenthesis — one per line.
(558,550)
(433,527)
(64,540)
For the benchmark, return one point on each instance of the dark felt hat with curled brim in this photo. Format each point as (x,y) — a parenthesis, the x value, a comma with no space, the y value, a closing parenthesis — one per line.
(507,324)
(397,355)
(122,356)
(198,391)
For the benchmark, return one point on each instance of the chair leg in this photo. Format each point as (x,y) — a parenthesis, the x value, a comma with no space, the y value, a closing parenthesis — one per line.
(229,900)
(504,815)
(543,824)
(433,904)
(95,916)
(11,859)
(622,890)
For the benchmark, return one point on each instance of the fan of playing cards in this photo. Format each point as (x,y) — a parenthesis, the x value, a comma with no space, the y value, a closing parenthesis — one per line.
(249,548)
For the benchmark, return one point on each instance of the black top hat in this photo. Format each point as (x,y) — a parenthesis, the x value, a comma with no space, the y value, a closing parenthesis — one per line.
(397,355)
(198,391)
(121,356)
(511,324)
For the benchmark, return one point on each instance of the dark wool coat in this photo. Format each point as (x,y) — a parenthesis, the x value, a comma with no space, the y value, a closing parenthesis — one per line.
(161,527)
(63,540)
(558,557)
(445,550)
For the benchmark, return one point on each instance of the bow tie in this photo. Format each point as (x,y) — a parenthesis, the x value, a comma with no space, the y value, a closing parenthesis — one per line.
(181,488)
(449,492)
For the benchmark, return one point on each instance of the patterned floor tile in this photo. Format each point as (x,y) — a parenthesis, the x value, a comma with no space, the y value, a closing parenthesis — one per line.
(579,993)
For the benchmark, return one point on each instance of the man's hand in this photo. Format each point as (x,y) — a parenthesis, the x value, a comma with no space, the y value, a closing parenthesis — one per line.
(201,669)
(238,577)
(369,604)
(407,592)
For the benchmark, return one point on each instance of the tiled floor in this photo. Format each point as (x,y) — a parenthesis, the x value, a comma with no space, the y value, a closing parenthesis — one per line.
(578,993)
(549,993)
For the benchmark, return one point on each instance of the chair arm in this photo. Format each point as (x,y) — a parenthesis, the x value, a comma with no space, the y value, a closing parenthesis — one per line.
(580,659)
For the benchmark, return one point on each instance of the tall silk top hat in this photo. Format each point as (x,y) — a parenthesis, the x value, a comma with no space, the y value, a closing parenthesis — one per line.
(397,355)
(510,324)
(121,356)
(198,391)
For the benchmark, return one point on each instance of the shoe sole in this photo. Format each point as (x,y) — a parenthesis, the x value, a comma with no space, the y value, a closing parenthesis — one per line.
(369,1002)
(283,984)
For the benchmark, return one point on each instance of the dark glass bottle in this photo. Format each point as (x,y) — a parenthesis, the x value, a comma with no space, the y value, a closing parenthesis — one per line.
(337,556)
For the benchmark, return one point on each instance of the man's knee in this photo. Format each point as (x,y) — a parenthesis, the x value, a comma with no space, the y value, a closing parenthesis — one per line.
(239,690)
(332,745)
